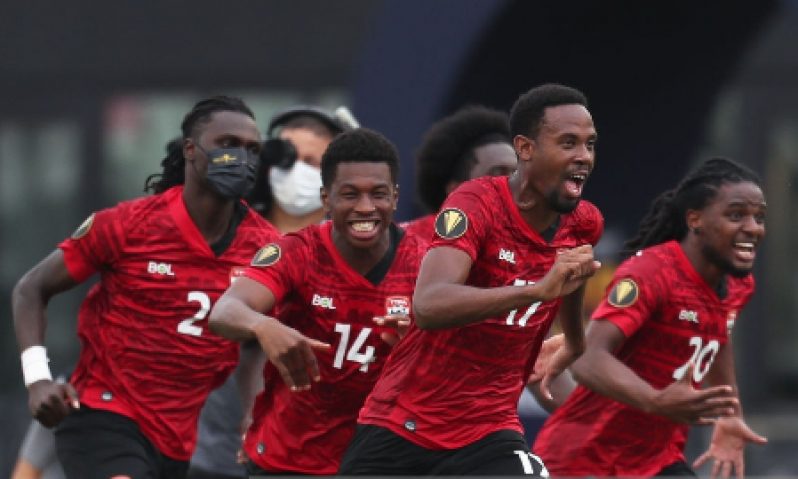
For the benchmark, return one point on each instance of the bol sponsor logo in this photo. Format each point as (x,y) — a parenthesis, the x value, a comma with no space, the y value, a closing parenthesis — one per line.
(164,269)
(323,301)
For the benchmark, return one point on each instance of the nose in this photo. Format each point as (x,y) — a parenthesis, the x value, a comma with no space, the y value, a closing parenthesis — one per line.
(364,204)
(753,227)
(585,155)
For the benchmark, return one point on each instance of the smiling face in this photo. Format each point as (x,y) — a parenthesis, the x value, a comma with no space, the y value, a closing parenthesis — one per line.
(731,227)
(361,202)
(561,157)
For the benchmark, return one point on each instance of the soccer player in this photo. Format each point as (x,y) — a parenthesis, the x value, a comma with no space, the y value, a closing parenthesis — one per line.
(290,200)
(508,253)
(473,142)
(340,288)
(663,328)
(148,360)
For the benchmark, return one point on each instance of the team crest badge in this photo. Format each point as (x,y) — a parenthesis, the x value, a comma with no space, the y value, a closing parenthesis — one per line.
(623,294)
(397,306)
(83,228)
(267,256)
(451,223)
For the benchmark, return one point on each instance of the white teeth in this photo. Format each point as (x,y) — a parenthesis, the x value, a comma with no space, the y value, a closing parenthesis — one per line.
(749,246)
(364,226)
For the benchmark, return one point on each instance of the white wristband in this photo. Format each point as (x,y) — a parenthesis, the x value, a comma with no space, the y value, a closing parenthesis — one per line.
(34,365)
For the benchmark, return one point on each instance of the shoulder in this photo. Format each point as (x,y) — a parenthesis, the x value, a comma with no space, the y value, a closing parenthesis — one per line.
(587,221)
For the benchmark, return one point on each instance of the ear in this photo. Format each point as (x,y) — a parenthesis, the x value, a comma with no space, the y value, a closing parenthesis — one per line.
(524,147)
(395,196)
(694,220)
(325,200)
(188,149)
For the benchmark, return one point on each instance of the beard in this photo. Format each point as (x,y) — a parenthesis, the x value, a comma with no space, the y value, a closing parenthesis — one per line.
(724,264)
(561,205)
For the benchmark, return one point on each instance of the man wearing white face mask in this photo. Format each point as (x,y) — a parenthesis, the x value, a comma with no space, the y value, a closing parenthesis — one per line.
(291,159)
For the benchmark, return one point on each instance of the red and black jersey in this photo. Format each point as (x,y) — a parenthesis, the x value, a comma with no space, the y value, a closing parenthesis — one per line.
(444,389)
(321,296)
(670,317)
(146,350)
(423,227)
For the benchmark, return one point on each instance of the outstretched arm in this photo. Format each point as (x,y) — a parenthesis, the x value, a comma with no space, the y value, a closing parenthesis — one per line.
(442,300)
(49,402)
(730,434)
(601,371)
(237,315)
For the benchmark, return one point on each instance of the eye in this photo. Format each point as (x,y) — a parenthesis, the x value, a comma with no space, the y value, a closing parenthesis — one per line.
(569,143)
(591,145)
(735,216)
(760,218)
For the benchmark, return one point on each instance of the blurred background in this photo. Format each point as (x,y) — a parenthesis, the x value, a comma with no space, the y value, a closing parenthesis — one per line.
(90,92)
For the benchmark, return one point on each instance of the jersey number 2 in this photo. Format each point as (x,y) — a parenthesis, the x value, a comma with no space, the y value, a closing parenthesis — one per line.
(187,326)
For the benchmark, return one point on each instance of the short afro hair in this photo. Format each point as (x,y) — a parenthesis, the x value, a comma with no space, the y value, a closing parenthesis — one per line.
(360,145)
(447,150)
(527,113)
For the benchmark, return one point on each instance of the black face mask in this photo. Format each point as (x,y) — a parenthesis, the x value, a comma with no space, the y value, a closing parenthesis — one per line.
(231,171)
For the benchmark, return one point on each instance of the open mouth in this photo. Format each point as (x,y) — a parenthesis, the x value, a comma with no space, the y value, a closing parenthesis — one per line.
(745,251)
(574,184)
(363,229)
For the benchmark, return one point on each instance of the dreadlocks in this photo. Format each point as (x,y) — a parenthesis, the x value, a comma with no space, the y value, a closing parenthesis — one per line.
(174,164)
(665,219)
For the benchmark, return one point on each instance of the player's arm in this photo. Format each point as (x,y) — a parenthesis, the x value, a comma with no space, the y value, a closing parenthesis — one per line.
(599,370)
(572,345)
(730,434)
(237,315)
(49,402)
(442,300)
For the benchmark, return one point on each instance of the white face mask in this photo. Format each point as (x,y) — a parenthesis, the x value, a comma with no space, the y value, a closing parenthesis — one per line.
(296,190)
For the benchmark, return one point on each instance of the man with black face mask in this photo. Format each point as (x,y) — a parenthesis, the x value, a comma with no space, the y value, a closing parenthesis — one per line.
(147,360)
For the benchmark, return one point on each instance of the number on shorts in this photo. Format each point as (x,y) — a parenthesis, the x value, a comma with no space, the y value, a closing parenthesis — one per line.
(526,458)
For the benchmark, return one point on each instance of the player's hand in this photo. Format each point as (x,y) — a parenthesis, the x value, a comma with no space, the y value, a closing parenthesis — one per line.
(400,323)
(570,270)
(681,402)
(726,448)
(547,350)
(51,401)
(562,358)
(291,353)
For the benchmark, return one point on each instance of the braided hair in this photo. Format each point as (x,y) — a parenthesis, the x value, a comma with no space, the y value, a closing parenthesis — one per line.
(174,163)
(447,151)
(665,219)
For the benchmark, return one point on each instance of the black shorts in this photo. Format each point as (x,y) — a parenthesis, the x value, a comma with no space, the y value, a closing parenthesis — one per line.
(679,468)
(92,443)
(378,451)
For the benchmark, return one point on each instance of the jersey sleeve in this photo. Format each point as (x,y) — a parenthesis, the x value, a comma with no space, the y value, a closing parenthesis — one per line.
(463,219)
(278,265)
(630,300)
(96,244)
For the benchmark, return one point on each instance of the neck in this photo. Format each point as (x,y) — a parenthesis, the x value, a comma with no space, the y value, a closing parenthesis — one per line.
(362,260)
(286,223)
(210,213)
(709,271)
(531,204)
